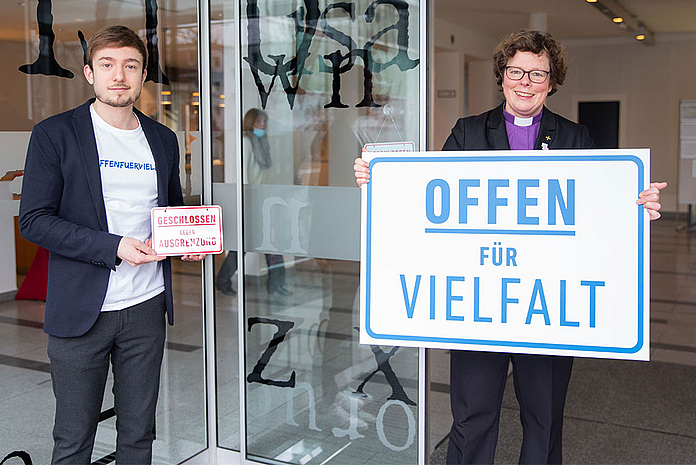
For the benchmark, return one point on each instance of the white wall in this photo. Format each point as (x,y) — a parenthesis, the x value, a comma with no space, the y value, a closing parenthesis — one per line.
(449,93)
(651,80)
(456,48)
(484,93)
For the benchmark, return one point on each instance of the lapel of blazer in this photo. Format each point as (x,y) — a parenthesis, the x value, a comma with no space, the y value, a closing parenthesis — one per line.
(158,152)
(82,124)
(497,134)
(547,130)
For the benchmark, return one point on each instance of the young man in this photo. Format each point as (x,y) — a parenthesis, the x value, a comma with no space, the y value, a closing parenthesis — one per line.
(92,176)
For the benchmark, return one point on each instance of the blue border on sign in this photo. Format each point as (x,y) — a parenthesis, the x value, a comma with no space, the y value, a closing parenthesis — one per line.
(501,158)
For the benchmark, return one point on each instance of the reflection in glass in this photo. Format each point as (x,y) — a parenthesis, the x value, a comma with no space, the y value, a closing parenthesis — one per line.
(44,39)
(330,77)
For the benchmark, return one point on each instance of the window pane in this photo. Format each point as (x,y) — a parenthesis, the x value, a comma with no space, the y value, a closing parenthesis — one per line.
(43,76)
(345,74)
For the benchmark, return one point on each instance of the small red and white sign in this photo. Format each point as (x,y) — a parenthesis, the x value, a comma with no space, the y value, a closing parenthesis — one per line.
(187,230)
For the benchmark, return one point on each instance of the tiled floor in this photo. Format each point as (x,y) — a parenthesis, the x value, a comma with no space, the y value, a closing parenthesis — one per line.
(623,412)
(617,412)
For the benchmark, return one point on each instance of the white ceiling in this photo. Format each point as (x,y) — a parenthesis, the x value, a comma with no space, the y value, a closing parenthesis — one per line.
(566,19)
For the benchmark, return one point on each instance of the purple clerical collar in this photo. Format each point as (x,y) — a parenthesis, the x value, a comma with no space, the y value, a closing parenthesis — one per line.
(522,132)
(522,122)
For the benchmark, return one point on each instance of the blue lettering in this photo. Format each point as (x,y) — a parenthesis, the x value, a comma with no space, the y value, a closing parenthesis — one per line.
(464,200)
(477,316)
(432,297)
(497,254)
(505,300)
(430,201)
(556,196)
(484,255)
(451,298)
(511,254)
(564,321)
(538,291)
(523,201)
(593,298)
(412,305)
(493,200)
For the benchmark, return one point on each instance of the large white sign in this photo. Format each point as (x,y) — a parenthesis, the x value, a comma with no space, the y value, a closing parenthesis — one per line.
(542,252)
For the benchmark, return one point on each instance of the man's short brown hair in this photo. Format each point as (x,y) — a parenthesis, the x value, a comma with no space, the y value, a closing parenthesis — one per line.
(537,42)
(117,37)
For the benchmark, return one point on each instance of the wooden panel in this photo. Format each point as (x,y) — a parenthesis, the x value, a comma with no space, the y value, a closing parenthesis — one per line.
(24,250)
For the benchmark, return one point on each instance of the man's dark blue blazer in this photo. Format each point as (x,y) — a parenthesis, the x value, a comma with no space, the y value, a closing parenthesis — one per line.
(62,210)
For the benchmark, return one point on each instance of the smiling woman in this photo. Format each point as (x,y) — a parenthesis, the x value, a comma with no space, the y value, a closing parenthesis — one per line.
(529,66)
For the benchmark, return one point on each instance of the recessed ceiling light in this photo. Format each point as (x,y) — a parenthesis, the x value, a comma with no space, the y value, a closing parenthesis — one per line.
(617,19)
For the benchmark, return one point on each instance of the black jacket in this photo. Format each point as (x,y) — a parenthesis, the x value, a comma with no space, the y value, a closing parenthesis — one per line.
(487,132)
(62,210)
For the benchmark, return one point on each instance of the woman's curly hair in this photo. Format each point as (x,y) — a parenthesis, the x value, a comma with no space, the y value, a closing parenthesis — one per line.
(537,42)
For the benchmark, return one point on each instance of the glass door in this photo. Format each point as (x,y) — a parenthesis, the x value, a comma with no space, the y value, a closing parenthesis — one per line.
(315,80)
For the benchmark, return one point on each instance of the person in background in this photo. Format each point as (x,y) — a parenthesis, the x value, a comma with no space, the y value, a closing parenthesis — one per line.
(258,169)
(91,178)
(529,66)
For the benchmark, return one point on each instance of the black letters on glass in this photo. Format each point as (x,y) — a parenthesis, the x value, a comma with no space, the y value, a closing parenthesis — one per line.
(278,337)
(154,72)
(279,68)
(337,58)
(46,62)
(20,454)
(382,359)
(335,63)
(83,44)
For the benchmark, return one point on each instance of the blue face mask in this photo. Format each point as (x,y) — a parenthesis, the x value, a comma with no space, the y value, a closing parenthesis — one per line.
(259,132)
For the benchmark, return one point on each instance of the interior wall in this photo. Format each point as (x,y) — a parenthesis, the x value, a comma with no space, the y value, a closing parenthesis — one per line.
(457,47)
(449,94)
(651,80)
(484,93)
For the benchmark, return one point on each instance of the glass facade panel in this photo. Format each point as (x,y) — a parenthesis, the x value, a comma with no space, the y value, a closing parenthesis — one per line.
(319,80)
(41,44)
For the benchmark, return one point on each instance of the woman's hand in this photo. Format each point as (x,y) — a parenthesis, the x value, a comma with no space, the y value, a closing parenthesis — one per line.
(650,199)
(362,172)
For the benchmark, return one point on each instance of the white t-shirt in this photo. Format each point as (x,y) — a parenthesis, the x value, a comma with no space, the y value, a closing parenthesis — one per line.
(129,187)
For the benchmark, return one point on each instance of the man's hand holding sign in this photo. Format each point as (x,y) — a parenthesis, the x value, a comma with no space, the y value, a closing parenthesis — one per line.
(192,232)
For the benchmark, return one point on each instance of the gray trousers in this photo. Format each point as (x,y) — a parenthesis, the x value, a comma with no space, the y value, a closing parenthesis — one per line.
(131,339)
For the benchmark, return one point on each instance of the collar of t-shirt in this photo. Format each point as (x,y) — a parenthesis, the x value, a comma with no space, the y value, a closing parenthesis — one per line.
(522,132)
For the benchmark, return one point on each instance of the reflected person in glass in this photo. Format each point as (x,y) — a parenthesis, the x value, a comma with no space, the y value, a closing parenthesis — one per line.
(529,66)
(258,169)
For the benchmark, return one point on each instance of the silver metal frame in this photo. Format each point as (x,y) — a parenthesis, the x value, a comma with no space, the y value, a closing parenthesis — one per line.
(208,286)
(425,43)
(210,455)
(241,322)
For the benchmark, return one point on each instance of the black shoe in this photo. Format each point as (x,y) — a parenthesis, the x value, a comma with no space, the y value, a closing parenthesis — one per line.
(282,290)
(227,290)
(279,289)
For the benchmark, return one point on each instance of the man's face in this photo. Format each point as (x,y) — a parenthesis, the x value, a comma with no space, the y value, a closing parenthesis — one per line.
(117,75)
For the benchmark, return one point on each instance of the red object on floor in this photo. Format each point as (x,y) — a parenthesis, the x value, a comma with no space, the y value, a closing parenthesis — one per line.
(36,282)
